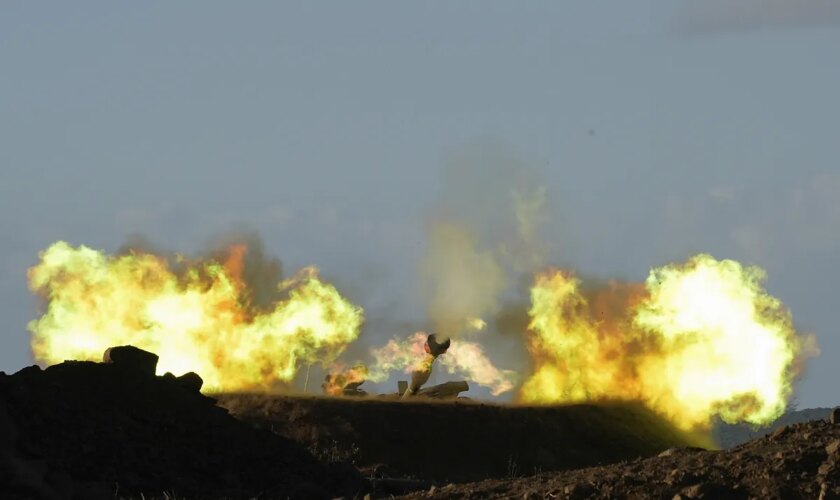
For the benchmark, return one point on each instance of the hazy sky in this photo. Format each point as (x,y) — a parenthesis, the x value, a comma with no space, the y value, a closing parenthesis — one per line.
(659,129)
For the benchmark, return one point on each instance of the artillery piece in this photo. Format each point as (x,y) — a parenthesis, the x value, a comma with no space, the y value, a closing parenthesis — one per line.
(433,347)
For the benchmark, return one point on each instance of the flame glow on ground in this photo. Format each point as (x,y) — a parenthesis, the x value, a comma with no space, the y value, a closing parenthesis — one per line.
(696,340)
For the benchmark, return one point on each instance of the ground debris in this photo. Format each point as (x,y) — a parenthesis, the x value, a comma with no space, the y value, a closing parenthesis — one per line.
(798,462)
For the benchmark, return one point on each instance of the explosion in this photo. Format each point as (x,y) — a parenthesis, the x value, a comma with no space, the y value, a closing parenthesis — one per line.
(695,340)
(197,318)
(337,382)
(698,339)
(463,357)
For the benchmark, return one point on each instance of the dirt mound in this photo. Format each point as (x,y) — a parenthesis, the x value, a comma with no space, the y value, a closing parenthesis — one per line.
(96,430)
(463,440)
(729,435)
(797,461)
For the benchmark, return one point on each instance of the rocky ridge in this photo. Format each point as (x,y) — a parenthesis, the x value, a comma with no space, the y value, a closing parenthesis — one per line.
(108,430)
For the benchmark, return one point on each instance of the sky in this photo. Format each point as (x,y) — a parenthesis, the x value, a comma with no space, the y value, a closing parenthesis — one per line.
(657,129)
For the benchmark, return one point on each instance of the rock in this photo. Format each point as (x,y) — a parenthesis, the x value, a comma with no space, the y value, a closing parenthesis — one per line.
(827,492)
(834,418)
(668,452)
(579,491)
(781,431)
(694,491)
(132,358)
(190,381)
(679,477)
(833,448)
(708,490)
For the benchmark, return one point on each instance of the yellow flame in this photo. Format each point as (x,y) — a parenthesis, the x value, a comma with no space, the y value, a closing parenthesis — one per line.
(198,320)
(700,339)
(696,340)
(336,381)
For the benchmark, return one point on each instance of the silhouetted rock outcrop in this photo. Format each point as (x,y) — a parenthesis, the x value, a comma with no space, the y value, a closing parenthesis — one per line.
(131,358)
(95,430)
(190,381)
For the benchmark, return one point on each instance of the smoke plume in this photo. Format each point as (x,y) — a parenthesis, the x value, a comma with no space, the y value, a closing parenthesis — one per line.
(483,231)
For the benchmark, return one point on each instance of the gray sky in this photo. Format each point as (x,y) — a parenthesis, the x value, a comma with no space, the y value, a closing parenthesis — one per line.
(659,129)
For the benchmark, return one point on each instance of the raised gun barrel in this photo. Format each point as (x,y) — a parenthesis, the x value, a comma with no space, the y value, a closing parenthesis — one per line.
(421,374)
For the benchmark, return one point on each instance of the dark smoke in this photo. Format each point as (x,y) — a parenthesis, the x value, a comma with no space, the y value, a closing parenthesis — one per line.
(261,273)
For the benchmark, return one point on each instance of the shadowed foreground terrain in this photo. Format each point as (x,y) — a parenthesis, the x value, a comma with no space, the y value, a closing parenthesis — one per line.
(799,461)
(83,430)
(463,440)
(88,430)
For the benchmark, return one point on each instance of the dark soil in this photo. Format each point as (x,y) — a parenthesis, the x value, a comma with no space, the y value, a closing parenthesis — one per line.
(92,430)
(82,430)
(800,461)
(462,440)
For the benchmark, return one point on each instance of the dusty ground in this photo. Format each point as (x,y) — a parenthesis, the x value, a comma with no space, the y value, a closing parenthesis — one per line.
(797,461)
(459,441)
